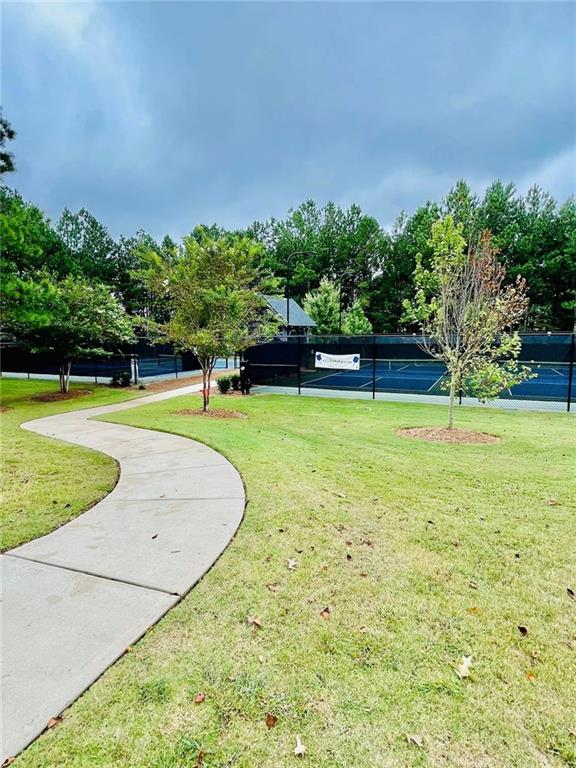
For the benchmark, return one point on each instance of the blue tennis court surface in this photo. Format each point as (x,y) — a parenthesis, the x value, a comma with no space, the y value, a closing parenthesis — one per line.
(427,376)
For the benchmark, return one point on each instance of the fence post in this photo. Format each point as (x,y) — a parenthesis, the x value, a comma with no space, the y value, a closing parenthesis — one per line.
(373,366)
(570,373)
(95,370)
(299,361)
(176,365)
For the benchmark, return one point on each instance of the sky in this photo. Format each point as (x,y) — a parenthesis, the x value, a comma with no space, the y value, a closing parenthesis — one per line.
(163,115)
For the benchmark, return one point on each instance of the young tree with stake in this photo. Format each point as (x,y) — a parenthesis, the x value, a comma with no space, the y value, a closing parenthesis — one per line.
(467,314)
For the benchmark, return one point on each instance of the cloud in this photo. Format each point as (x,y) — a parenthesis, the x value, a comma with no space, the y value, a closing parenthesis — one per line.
(556,174)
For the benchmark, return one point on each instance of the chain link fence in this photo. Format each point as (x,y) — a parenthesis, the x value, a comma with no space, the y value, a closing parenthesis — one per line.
(399,365)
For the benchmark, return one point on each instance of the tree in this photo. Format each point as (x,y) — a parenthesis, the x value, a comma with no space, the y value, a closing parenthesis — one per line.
(7,133)
(323,306)
(355,321)
(212,293)
(85,320)
(467,315)
(93,251)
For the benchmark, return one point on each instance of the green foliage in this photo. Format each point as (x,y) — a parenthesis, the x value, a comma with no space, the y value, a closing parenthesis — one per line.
(235,381)
(85,320)
(7,133)
(211,291)
(335,241)
(224,383)
(323,306)
(355,321)
(122,379)
(467,315)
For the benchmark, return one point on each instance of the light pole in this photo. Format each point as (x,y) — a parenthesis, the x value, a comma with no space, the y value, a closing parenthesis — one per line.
(289,264)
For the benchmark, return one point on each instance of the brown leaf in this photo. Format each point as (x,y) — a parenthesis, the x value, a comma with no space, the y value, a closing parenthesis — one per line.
(473,609)
(472,585)
(271,720)
(413,738)
(553,503)
(273,587)
(54,721)
(523,630)
(255,621)
(348,556)
(571,593)
(325,613)
(464,669)
(8,761)
(531,676)
(199,698)
(299,749)
(292,565)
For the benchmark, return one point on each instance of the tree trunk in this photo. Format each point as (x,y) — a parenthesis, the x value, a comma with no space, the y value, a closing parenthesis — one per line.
(453,384)
(64,375)
(205,398)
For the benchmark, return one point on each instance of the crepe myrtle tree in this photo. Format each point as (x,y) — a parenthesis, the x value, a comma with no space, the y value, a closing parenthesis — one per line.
(212,294)
(80,319)
(468,315)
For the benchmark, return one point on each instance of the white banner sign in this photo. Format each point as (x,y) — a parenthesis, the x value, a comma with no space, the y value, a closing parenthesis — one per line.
(339,362)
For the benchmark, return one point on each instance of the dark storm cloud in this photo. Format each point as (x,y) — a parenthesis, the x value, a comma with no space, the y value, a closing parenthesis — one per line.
(163,115)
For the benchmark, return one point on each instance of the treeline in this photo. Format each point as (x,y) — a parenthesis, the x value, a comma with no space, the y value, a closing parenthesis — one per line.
(535,237)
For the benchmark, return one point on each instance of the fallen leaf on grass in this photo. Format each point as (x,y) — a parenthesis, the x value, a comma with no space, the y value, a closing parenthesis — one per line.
(464,669)
(255,621)
(530,675)
(472,585)
(473,609)
(415,739)
(8,761)
(271,720)
(273,587)
(299,749)
(571,593)
(553,503)
(348,556)
(53,722)
(199,698)
(523,631)
(292,565)
(325,613)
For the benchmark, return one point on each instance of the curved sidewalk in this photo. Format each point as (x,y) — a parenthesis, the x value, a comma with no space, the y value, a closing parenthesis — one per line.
(77,597)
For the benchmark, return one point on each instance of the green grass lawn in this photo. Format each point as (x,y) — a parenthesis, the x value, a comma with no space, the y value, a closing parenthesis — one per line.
(45,483)
(423,553)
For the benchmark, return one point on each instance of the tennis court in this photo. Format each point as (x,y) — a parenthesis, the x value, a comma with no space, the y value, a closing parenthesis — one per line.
(428,376)
(399,364)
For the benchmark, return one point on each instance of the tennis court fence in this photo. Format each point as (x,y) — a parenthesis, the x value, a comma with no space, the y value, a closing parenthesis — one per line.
(399,364)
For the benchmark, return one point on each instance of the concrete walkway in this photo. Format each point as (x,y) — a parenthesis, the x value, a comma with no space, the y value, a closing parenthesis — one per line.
(76,598)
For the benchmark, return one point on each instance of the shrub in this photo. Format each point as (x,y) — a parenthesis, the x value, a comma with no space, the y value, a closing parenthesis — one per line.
(121,379)
(224,384)
(235,381)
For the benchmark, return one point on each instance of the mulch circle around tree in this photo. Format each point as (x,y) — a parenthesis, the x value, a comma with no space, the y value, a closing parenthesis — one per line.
(215,413)
(445,435)
(54,397)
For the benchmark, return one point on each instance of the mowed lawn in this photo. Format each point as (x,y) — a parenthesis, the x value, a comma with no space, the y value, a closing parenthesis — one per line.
(408,556)
(44,482)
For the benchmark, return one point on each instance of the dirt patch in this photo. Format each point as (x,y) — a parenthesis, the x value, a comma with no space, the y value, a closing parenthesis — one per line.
(214,413)
(185,381)
(54,397)
(4,408)
(444,435)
